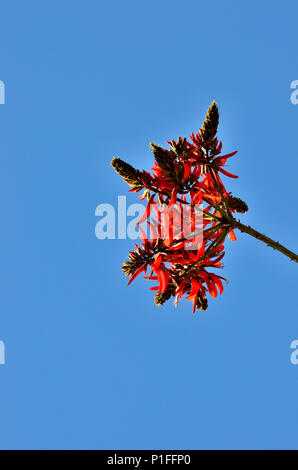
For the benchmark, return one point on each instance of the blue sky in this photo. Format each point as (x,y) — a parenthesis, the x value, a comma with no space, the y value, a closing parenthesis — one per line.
(91,363)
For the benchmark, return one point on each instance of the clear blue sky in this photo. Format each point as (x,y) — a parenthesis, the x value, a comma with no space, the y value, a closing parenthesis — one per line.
(92,363)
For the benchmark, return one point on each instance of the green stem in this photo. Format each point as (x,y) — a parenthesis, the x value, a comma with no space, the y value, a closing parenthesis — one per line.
(263,238)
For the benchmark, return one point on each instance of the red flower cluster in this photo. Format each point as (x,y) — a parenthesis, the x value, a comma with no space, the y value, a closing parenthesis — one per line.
(188,214)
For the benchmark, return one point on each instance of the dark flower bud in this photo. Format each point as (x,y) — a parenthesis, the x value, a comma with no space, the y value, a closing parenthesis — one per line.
(210,124)
(237,205)
(130,175)
(137,258)
(179,147)
(202,303)
(161,297)
(164,158)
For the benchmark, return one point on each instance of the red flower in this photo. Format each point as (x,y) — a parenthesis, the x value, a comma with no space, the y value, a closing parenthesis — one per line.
(188,216)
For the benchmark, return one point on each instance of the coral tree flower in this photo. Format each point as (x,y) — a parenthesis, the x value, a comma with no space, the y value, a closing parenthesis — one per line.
(185,185)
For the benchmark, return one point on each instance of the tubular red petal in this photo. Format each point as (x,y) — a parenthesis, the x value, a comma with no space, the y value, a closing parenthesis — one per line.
(147,210)
(212,288)
(227,173)
(194,303)
(228,155)
(217,281)
(157,261)
(198,198)
(163,278)
(195,287)
(187,169)
(138,271)
(232,236)
(173,198)
(144,236)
